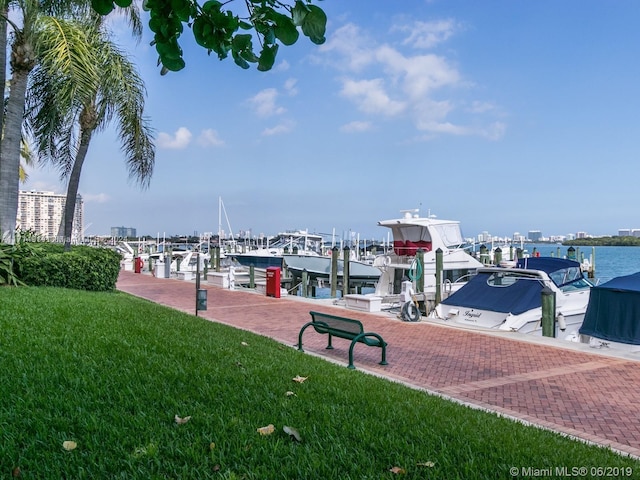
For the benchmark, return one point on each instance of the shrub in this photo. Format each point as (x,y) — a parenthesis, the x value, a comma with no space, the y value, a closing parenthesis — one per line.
(83,268)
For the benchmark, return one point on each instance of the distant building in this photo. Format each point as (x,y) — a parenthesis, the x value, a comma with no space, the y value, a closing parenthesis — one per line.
(534,235)
(484,237)
(123,232)
(629,232)
(582,235)
(41,213)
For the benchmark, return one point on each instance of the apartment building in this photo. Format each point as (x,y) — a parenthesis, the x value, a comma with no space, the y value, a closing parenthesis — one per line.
(41,213)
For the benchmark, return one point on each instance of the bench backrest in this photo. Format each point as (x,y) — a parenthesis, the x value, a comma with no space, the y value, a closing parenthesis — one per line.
(336,324)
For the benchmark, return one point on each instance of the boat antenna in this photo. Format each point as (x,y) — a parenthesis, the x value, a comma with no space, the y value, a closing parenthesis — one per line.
(221,209)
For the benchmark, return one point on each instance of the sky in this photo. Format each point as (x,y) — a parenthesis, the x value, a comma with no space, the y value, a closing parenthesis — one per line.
(508,116)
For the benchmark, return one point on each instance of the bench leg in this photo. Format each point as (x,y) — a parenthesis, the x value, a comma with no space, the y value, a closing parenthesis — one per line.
(329,346)
(384,354)
(300,336)
(351,366)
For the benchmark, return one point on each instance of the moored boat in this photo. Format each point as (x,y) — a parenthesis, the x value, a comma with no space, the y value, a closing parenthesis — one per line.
(510,299)
(412,233)
(612,318)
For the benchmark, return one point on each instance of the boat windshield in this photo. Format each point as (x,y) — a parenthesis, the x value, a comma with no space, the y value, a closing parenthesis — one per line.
(571,278)
(507,278)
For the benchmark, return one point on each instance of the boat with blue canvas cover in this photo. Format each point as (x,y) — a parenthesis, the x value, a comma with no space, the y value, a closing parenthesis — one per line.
(612,318)
(510,299)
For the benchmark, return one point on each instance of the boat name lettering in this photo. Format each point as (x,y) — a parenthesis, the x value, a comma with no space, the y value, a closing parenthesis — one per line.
(472,314)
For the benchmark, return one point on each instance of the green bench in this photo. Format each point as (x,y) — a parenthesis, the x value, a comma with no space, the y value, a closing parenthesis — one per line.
(346,328)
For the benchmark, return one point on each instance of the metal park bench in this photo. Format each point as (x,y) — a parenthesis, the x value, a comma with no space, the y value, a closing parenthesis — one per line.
(346,328)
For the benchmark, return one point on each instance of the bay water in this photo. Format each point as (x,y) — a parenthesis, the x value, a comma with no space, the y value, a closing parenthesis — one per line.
(610,262)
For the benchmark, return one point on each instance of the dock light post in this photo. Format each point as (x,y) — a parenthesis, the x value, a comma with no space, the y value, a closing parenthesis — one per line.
(201,293)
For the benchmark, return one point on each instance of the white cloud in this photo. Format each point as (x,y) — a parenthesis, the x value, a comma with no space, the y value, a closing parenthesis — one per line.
(280,129)
(290,87)
(95,197)
(283,66)
(495,131)
(264,103)
(356,127)
(427,34)
(481,107)
(370,96)
(420,75)
(180,139)
(210,138)
(400,83)
(349,48)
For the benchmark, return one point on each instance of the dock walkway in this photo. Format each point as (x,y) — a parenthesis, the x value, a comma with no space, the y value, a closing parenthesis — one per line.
(585,393)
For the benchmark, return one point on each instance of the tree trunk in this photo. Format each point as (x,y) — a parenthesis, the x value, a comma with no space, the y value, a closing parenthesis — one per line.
(10,156)
(72,187)
(4,12)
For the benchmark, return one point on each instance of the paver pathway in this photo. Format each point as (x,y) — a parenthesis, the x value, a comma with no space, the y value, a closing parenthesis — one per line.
(583,394)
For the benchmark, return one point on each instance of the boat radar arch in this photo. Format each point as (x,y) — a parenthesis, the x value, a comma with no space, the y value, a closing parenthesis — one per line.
(407,214)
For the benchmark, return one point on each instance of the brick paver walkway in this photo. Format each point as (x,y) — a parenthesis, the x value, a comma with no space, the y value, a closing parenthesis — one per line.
(583,394)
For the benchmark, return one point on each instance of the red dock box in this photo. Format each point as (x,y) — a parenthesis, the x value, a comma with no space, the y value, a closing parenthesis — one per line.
(273,282)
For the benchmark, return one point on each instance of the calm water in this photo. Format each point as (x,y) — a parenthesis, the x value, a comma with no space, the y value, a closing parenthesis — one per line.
(610,261)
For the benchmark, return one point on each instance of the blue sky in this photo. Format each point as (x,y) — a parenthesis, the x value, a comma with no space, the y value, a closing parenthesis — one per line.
(507,116)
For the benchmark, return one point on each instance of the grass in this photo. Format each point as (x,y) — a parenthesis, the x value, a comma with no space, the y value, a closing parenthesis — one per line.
(110,372)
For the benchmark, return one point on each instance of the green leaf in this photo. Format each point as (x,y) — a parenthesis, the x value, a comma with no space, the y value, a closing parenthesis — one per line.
(267,57)
(182,9)
(241,62)
(173,64)
(241,42)
(103,7)
(299,12)
(123,3)
(211,6)
(285,30)
(242,46)
(314,25)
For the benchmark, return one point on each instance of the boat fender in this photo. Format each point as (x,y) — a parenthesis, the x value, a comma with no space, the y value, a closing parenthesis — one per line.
(410,312)
(562,323)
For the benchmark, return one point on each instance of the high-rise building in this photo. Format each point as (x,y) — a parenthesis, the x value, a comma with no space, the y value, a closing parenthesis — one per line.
(41,213)
(534,235)
(123,232)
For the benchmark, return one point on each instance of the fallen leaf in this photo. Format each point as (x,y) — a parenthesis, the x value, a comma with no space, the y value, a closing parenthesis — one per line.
(268,430)
(69,445)
(16,473)
(244,344)
(398,470)
(212,446)
(426,464)
(299,379)
(290,394)
(181,421)
(216,468)
(292,432)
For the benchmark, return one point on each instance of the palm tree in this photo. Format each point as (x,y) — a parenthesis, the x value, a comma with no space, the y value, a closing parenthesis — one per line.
(47,30)
(63,130)
(30,43)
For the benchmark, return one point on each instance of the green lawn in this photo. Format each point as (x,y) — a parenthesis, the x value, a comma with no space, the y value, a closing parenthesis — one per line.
(111,372)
